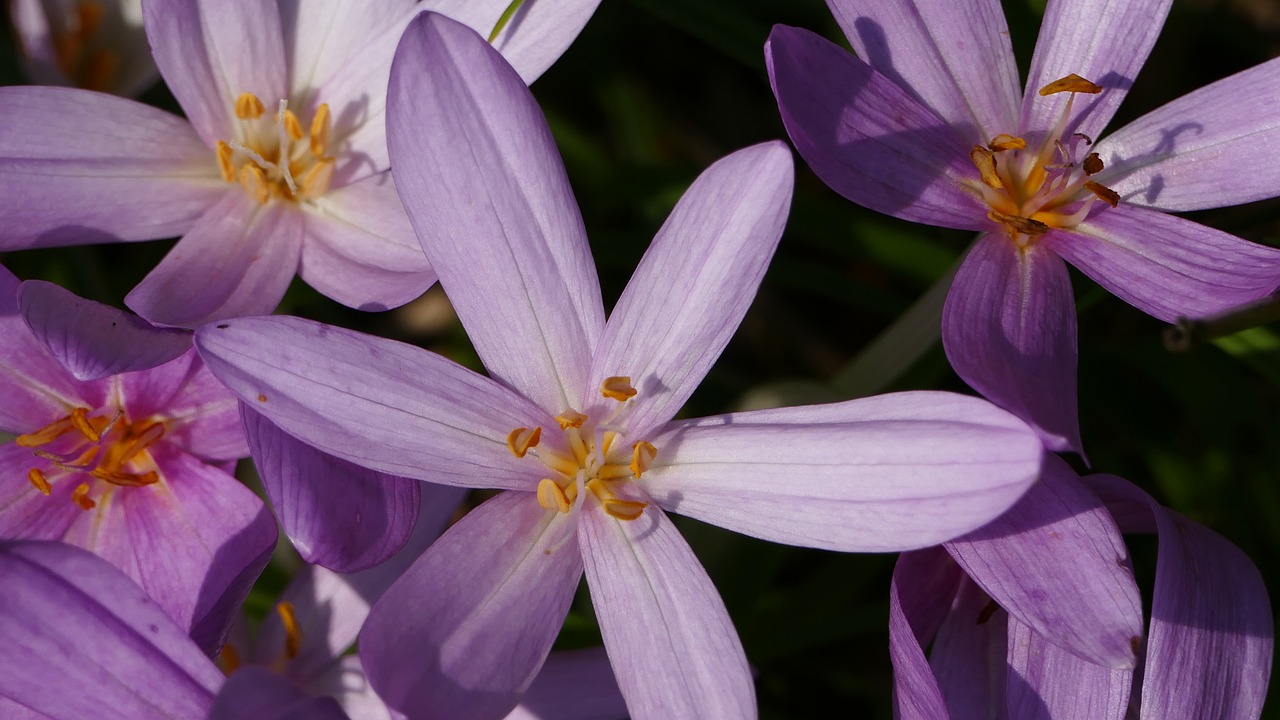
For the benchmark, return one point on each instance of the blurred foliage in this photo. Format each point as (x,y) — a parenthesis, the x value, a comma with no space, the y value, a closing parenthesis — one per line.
(654,91)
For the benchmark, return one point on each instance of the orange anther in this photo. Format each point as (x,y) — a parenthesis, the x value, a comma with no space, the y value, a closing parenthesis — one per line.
(292,632)
(1092,164)
(1071,83)
(570,418)
(249,107)
(125,479)
(320,129)
(80,496)
(521,439)
(623,509)
(315,181)
(44,435)
(985,161)
(292,127)
(38,480)
(1004,141)
(618,387)
(229,659)
(642,455)
(552,497)
(1109,196)
(1026,226)
(225,155)
(254,182)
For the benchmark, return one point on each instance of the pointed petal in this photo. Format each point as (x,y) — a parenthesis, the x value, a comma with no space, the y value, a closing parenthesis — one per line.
(1207,149)
(666,628)
(1046,682)
(894,472)
(1057,563)
(93,340)
(140,174)
(924,584)
(955,58)
(463,632)
(337,514)
(1009,330)
(535,35)
(82,641)
(968,657)
(1210,645)
(378,403)
(258,693)
(360,248)
(866,137)
(573,685)
(34,388)
(1166,266)
(1100,40)
(237,260)
(210,52)
(488,196)
(695,283)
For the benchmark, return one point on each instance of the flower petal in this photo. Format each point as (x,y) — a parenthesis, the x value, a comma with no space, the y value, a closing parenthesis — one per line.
(1057,563)
(139,174)
(360,249)
(866,137)
(1101,40)
(674,647)
(377,403)
(1009,330)
(237,260)
(968,656)
(535,35)
(34,388)
(1207,149)
(1046,682)
(479,175)
(322,37)
(465,629)
(203,416)
(893,472)
(573,685)
(695,283)
(82,641)
(93,340)
(210,52)
(924,584)
(337,514)
(254,692)
(1210,643)
(955,58)
(345,682)
(1167,266)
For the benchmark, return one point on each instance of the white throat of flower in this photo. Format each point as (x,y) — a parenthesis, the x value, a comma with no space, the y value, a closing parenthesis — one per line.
(273,159)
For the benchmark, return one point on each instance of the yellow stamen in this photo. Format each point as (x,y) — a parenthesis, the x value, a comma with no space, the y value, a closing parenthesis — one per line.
(570,418)
(292,126)
(1071,83)
(1004,141)
(44,435)
(618,388)
(98,69)
(37,479)
(80,420)
(1092,164)
(292,633)
(1026,226)
(249,107)
(230,659)
(521,439)
(320,129)
(642,455)
(578,446)
(80,496)
(125,479)
(254,182)
(225,155)
(1109,196)
(613,472)
(985,161)
(623,509)
(315,182)
(606,442)
(551,496)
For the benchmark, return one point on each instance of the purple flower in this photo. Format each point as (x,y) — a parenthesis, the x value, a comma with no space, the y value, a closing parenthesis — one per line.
(98,45)
(575,425)
(134,465)
(282,169)
(926,124)
(1207,654)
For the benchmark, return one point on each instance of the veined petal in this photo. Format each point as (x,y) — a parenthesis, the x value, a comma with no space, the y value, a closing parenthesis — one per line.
(210,52)
(924,584)
(360,249)
(1103,41)
(955,58)
(465,629)
(968,656)
(203,416)
(81,641)
(78,167)
(1046,682)
(378,403)
(1167,266)
(237,260)
(573,685)
(1208,149)
(534,36)
(34,388)
(676,651)
(1210,644)
(322,38)
(695,283)
(1009,330)
(254,692)
(893,472)
(25,512)
(1057,563)
(337,514)
(482,182)
(866,137)
(93,340)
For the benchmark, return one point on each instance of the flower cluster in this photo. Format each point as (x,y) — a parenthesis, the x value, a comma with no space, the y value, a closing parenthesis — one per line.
(440,520)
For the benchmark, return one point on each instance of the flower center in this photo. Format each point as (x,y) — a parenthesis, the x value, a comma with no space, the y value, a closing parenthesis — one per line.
(91,69)
(273,157)
(229,658)
(594,458)
(109,450)
(1030,191)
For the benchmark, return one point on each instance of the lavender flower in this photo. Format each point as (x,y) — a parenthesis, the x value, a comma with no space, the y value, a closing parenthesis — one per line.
(927,125)
(282,168)
(90,44)
(576,425)
(134,465)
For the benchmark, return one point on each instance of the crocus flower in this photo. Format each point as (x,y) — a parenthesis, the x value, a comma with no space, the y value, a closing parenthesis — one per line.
(926,124)
(132,465)
(575,424)
(282,168)
(90,44)
(1207,654)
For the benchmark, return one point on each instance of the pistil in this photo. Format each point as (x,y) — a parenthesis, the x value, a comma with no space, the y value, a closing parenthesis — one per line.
(274,158)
